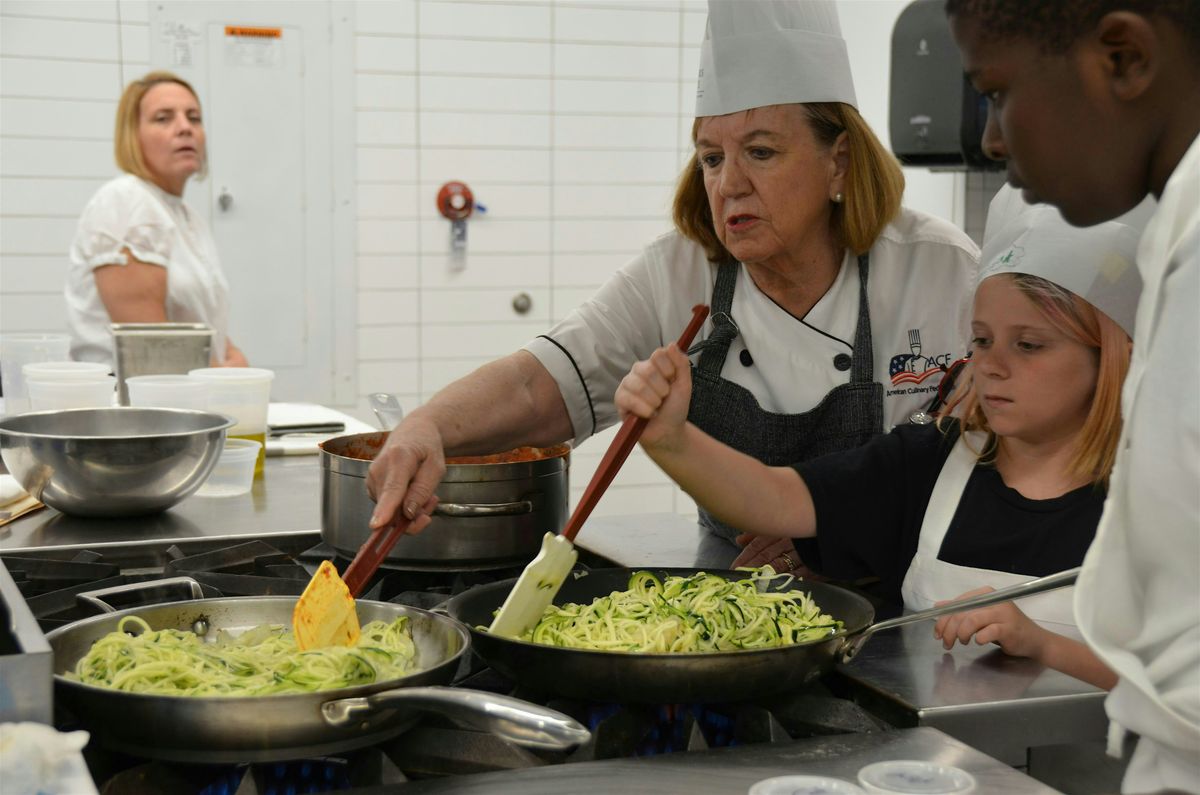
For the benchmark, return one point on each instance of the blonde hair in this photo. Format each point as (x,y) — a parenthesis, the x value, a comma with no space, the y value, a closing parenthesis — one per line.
(126,149)
(874,185)
(1082,322)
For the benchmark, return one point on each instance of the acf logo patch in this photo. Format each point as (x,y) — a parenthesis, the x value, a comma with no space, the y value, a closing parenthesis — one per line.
(914,367)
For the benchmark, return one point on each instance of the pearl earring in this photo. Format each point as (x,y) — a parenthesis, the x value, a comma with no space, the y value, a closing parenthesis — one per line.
(838,198)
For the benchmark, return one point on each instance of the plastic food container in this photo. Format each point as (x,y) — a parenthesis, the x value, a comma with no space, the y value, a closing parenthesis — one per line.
(168,392)
(17,350)
(91,392)
(915,776)
(243,393)
(234,472)
(63,371)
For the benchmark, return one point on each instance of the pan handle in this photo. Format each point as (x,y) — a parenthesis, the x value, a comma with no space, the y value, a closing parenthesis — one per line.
(1049,583)
(514,720)
(93,598)
(494,509)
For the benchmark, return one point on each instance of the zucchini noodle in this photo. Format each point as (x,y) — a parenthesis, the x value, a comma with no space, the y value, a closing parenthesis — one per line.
(261,661)
(701,613)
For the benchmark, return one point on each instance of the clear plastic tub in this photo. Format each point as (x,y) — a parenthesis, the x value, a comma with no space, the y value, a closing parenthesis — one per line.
(234,472)
(95,391)
(168,391)
(63,371)
(17,350)
(243,393)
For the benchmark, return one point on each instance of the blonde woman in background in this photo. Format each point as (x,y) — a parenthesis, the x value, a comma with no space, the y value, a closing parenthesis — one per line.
(141,254)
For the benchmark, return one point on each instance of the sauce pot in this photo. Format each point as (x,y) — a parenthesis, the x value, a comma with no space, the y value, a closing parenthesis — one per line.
(493,509)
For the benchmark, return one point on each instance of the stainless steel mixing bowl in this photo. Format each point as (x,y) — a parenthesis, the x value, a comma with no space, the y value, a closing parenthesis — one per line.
(112,461)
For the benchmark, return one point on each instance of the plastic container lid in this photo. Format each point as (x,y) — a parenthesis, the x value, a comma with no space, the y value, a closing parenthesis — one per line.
(804,785)
(915,776)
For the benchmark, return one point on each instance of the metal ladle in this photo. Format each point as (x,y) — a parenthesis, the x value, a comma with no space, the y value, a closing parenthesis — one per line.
(387,409)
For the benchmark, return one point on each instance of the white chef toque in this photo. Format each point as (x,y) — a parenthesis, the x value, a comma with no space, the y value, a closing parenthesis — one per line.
(1096,262)
(772,52)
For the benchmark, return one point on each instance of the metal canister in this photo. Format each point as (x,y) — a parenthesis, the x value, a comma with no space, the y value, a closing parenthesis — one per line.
(491,509)
(158,348)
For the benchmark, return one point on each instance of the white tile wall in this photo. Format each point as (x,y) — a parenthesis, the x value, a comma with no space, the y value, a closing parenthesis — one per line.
(569,118)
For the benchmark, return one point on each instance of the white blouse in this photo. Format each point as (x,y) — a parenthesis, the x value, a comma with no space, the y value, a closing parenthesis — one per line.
(157,228)
(922,276)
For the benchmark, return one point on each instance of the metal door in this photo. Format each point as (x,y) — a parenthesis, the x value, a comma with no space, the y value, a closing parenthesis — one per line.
(262,70)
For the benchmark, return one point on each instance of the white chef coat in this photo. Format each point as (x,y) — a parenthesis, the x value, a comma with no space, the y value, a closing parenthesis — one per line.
(1138,598)
(160,229)
(922,279)
(930,580)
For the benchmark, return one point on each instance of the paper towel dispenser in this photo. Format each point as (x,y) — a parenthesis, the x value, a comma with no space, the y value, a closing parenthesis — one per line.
(935,117)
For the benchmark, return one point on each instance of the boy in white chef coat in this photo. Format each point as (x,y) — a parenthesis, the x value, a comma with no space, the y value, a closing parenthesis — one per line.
(1095,104)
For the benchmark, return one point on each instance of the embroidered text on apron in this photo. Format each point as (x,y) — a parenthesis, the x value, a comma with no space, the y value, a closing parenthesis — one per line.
(931,580)
(846,417)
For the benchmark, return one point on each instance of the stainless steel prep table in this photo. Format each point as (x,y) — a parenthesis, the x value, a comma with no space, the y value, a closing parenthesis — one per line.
(731,771)
(284,503)
(999,704)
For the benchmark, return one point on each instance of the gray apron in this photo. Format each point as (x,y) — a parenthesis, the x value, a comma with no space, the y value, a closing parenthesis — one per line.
(846,417)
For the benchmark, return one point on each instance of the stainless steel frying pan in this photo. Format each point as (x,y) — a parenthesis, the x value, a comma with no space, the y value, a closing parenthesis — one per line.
(272,728)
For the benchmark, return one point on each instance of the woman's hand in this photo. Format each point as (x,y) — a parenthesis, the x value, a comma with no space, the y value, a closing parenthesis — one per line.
(658,389)
(407,471)
(778,553)
(1003,624)
(234,356)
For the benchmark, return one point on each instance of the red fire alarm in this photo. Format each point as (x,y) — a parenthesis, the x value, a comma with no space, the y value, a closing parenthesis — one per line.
(455,201)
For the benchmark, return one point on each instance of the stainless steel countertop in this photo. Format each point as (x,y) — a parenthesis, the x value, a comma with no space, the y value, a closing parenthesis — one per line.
(999,704)
(285,501)
(732,771)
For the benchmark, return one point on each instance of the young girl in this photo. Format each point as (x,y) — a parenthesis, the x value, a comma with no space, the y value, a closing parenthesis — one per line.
(1008,488)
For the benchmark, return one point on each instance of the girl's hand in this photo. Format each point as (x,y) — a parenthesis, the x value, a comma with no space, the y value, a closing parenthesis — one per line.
(658,389)
(1003,624)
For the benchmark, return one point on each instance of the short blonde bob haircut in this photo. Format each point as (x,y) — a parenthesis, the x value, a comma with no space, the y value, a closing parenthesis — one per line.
(874,185)
(1082,322)
(125,141)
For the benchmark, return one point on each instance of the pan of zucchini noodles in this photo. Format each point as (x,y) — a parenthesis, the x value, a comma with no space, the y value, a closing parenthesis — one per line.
(670,636)
(220,680)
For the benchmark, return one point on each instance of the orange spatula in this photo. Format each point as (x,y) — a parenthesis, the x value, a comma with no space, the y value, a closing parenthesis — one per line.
(536,587)
(324,615)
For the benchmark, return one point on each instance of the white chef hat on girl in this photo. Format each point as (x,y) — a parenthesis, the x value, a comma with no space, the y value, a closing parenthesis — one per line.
(1096,262)
(772,52)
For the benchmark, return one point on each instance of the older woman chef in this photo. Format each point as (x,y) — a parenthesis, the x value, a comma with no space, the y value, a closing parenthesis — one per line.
(834,310)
